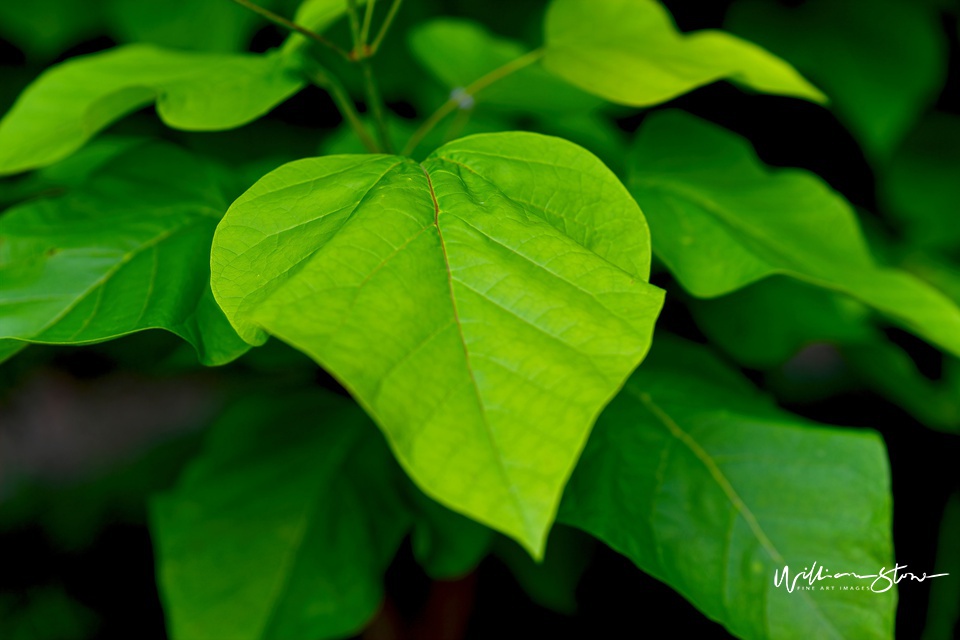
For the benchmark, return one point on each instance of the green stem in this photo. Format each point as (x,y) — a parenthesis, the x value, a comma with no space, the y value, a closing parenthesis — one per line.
(349,111)
(354,15)
(292,26)
(470,90)
(367,22)
(375,102)
(391,14)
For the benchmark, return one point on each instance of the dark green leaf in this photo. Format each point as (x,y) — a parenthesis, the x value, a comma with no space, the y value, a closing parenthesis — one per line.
(283,528)
(722,220)
(882,62)
(125,253)
(706,486)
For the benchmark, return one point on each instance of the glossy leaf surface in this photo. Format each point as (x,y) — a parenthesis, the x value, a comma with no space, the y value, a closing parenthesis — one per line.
(482,306)
(69,103)
(630,52)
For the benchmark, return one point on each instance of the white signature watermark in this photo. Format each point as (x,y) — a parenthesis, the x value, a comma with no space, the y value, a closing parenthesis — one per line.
(883,581)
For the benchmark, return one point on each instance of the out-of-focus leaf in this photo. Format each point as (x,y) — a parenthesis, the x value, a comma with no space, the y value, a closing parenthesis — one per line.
(943,614)
(630,52)
(458,52)
(689,449)
(45,28)
(723,220)
(126,252)
(44,614)
(513,268)
(551,583)
(283,527)
(921,188)
(197,25)
(446,544)
(69,103)
(881,62)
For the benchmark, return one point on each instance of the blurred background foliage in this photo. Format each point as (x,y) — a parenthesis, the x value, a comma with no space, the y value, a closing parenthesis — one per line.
(88,435)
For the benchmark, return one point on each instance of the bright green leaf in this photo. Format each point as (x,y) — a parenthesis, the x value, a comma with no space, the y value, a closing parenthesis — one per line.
(881,62)
(722,220)
(125,253)
(69,103)
(283,527)
(708,487)
(458,52)
(482,307)
(630,52)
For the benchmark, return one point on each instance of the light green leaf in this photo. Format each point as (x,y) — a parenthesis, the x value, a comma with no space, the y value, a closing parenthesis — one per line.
(69,103)
(283,527)
(920,188)
(125,253)
(630,52)
(708,487)
(723,220)
(881,62)
(458,52)
(482,307)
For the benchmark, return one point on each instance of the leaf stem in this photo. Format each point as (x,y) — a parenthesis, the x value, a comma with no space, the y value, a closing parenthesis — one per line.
(367,21)
(345,104)
(354,14)
(391,14)
(375,102)
(292,26)
(471,90)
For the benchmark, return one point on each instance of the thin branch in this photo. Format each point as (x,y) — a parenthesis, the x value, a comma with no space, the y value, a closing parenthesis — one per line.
(345,104)
(367,21)
(354,14)
(292,26)
(469,91)
(376,105)
(391,14)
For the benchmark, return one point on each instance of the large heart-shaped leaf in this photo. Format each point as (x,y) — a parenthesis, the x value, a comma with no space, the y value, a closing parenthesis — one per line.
(483,306)
(126,252)
(283,527)
(689,451)
(69,103)
(722,220)
(630,52)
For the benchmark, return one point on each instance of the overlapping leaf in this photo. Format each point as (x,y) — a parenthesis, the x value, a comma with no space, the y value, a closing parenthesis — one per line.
(126,252)
(630,52)
(69,103)
(722,220)
(688,451)
(458,52)
(283,527)
(857,51)
(482,307)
